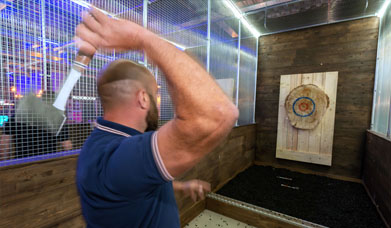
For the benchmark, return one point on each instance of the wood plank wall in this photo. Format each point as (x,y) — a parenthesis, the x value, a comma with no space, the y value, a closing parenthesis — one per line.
(39,194)
(349,48)
(44,194)
(377,173)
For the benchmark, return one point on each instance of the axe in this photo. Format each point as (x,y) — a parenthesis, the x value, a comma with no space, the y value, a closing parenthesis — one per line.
(33,111)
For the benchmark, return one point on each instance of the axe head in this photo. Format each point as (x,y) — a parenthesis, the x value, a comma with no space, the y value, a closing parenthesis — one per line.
(33,111)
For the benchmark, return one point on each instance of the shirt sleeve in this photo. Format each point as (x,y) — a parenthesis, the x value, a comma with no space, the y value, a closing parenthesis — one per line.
(136,166)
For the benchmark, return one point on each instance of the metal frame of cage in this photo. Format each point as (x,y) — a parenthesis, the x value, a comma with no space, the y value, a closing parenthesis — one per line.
(381,109)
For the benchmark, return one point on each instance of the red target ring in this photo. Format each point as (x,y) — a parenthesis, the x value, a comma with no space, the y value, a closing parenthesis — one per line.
(303,106)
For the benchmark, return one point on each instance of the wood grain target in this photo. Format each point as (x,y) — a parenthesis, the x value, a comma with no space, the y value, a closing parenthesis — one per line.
(306,105)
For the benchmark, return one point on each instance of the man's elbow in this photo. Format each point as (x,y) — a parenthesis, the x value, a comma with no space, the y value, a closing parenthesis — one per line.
(226,117)
(234,113)
(230,113)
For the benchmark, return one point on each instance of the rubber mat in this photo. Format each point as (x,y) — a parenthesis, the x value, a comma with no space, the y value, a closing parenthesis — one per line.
(317,199)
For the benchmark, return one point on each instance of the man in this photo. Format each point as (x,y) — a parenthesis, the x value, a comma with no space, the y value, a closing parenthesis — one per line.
(124,173)
(30,140)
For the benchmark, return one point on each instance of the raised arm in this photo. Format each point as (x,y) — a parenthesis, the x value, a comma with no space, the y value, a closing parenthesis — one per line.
(204,114)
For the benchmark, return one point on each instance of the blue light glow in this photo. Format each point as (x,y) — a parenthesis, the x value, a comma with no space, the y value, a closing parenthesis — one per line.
(3,119)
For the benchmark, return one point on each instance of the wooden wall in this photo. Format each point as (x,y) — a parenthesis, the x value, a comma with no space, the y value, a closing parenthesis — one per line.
(43,194)
(377,173)
(39,194)
(349,48)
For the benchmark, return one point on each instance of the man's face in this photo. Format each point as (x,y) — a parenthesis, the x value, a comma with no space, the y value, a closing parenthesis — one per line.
(152,115)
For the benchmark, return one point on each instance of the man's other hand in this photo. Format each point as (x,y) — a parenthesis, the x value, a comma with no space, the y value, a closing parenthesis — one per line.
(196,189)
(66,145)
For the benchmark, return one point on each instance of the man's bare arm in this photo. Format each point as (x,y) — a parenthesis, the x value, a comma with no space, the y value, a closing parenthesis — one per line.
(204,114)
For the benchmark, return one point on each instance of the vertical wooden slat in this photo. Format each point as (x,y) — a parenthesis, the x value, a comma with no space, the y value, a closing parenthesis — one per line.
(282,119)
(292,137)
(303,135)
(289,130)
(295,135)
(315,134)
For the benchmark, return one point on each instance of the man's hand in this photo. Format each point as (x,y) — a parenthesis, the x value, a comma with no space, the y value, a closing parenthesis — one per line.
(66,145)
(98,31)
(196,189)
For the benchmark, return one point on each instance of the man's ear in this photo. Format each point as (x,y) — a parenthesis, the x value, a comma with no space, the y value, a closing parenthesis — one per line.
(143,99)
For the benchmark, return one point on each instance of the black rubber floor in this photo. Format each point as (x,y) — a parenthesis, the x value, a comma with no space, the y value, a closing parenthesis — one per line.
(317,199)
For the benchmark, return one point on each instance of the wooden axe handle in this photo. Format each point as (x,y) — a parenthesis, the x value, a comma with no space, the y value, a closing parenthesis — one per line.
(78,67)
(82,60)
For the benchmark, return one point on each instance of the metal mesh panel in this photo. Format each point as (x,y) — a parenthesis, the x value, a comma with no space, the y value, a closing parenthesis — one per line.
(184,24)
(37,52)
(247,77)
(382,101)
(224,48)
(20,64)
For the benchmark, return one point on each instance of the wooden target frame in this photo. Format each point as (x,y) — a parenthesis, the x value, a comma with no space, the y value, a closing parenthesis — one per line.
(307,145)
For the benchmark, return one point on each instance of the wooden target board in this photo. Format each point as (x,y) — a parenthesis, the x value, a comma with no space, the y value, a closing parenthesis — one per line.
(305,106)
(306,117)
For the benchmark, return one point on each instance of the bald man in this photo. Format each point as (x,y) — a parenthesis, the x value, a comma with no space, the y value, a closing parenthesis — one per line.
(127,166)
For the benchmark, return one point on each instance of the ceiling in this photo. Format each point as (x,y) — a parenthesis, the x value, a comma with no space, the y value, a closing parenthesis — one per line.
(270,16)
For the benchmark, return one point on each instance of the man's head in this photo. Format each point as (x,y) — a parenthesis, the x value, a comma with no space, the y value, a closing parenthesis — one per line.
(129,90)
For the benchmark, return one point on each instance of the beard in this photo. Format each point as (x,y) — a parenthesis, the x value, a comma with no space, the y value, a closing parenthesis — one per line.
(152,116)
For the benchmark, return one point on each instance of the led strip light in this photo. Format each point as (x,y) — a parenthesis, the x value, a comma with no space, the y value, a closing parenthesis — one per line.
(238,14)
(265,212)
(383,9)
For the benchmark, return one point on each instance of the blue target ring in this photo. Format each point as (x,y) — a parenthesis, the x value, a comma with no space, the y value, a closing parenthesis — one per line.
(300,98)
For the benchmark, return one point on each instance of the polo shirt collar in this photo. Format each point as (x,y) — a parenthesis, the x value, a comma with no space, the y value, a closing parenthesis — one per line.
(118,127)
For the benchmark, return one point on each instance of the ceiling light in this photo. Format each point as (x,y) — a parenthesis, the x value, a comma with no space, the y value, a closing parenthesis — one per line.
(251,28)
(88,5)
(238,14)
(233,8)
(383,9)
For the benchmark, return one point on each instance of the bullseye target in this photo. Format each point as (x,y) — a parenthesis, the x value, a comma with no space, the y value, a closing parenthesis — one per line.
(305,106)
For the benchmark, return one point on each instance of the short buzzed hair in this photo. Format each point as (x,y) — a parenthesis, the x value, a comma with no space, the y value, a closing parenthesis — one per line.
(119,78)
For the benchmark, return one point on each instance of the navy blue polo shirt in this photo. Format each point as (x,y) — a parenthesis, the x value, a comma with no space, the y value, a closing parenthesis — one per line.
(122,180)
